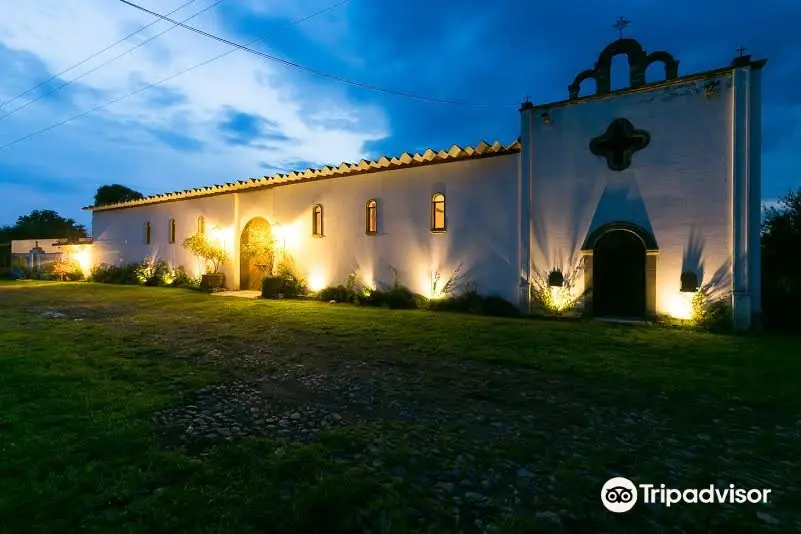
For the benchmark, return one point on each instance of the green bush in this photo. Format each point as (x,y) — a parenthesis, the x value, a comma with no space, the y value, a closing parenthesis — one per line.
(498,307)
(397,298)
(712,314)
(286,283)
(401,298)
(271,287)
(180,278)
(472,302)
(65,270)
(467,302)
(114,274)
(338,294)
(153,272)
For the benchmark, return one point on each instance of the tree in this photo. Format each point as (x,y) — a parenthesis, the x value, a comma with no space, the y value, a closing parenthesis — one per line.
(781,257)
(114,193)
(42,224)
(204,248)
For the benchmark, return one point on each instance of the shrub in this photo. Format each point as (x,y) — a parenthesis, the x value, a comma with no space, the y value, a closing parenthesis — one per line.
(114,274)
(447,288)
(338,294)
(286,283)
(66,270)
(467,302)
(180,278)
(397,298)
(5,273)
(271,287)
(712,314)
(471,302)
(153,272)
(498,307)
(561,298)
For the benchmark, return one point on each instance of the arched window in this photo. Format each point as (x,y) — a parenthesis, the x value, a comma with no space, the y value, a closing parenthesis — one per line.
(171,231)
(317,220)
(201,225)
(147,232)
(438,213)
(372,217)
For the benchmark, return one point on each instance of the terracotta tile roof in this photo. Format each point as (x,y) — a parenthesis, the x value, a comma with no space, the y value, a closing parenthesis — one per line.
(455,153)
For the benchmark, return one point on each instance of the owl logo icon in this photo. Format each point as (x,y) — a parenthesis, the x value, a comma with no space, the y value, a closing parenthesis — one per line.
(619,495)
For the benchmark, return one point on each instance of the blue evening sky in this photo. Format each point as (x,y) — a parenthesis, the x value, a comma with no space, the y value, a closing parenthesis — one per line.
(243,116)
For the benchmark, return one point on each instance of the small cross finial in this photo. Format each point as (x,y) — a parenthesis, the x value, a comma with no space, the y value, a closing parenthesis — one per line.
(526,98)
(620,25)
(741,50)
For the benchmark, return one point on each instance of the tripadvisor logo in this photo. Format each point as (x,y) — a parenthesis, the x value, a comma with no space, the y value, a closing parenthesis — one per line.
(620,495)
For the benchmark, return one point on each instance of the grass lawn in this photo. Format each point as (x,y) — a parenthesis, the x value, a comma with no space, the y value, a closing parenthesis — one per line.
(131,409)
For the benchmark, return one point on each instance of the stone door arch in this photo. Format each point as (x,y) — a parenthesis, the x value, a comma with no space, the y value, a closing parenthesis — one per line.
(620,271)
(255,259)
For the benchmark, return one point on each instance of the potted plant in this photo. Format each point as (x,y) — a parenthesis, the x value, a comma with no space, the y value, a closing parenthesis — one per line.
(214,256)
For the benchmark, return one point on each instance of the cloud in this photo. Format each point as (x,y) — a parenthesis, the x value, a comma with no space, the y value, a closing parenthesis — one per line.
(243,116)
(246,129)
(210,125)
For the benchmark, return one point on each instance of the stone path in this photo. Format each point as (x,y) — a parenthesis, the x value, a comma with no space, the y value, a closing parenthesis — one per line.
(486,453)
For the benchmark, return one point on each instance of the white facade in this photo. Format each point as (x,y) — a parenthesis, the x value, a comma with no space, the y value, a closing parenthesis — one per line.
(690,192)
(480,205)
(679,188)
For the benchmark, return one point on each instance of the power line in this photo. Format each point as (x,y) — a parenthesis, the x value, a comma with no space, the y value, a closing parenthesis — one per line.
(115,58)
(309,69)
(109,47)
(168,78)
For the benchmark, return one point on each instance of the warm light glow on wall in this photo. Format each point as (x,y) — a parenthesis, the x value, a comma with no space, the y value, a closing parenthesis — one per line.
(680,305)
(561,298)
(82,255)
(286,235)
(224,236)
(435,287)
(316,281)
(433,283)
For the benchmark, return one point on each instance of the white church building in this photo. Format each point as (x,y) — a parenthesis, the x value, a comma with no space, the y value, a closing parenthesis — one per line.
(652,191)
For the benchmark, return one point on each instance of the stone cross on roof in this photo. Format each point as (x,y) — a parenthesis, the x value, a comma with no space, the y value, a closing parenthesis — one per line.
(620,25)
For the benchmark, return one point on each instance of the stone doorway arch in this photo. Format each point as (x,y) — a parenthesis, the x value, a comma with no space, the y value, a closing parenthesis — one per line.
(620,271)
(256,253)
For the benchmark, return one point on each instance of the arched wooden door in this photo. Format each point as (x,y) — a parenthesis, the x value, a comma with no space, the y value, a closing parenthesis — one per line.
(256,253)
(619,275)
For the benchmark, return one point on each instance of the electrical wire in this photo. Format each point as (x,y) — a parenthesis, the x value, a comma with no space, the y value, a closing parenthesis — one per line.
(81,62)
(115,58)
(309,69)
(168,78)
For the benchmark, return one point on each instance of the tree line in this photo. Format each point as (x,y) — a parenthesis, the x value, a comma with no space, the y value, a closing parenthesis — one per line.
(49,224)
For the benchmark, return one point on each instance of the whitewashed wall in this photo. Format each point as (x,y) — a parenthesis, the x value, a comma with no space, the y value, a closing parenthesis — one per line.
(678,188)
(481,211)
(119,235)
(24,246)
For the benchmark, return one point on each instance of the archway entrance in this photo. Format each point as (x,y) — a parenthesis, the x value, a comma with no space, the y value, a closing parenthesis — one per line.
(255,253)
(619,284)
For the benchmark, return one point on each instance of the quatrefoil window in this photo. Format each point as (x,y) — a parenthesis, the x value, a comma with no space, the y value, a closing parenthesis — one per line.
(619,143)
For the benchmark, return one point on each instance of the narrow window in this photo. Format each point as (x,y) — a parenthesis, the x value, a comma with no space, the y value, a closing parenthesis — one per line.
(317,220)
(438,213)
(372,217)
(147,233)
(172,231)
(201,225)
